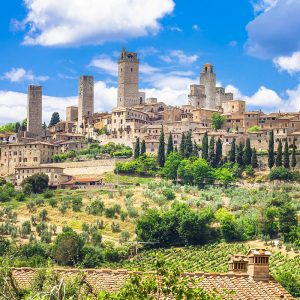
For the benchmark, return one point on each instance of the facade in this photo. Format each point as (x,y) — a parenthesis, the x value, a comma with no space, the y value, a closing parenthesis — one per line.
(34,110)
(71,114)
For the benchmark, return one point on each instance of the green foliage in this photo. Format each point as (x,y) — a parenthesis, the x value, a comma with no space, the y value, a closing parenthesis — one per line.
(161,149)
(8,128)
(253,129)
(67,247)
(294,158)
(211,152)
(171,165)
(205,146)
(224,176)
(170,147)
(182,145)
(55,118)
(240,154)
(286,155)
(143,147)
(290,281)
(271,159)
(278,161)
(38,183)
(247,153)
(77,204)
(218,156)
(137,148)
(188,145)
(232,151)
(254,162)
(280,173)
(96,208)
(217,120)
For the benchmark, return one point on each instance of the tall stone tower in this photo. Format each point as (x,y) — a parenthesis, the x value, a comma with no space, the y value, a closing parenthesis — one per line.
(34,109)
(86,99)
(208,79)
(128,79)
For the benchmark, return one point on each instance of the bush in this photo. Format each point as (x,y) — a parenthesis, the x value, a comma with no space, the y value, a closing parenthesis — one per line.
(38,183)
(48,194)
(77,204)
(169,194)
(20,197)
(249,171)
(92,257)
(96,208)
(52,202)
(280,173)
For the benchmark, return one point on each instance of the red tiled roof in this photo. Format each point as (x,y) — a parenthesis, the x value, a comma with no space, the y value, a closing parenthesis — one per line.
(244,287)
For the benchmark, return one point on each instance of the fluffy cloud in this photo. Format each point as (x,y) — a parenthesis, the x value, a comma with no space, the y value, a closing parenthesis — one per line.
(178,56)
(291,64)
(21,75)
(274,32)
(69,22)
(263,5)
(268,100)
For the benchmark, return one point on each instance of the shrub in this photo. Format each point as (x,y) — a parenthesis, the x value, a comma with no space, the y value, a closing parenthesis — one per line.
(52,202)
(115,227)
(38,182)
(20,197)
(280,173)
(169,194)
(76,204)
(109,212)
(26,228)
(92,257)
(249,171)
(96,208)
(43,215)
(48,194)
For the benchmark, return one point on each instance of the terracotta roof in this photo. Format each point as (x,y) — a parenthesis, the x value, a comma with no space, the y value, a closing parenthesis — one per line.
(244,287)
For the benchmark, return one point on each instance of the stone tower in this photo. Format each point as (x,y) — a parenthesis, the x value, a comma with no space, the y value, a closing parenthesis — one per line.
(208,80)
(128,80)
(86,99)
(34,110)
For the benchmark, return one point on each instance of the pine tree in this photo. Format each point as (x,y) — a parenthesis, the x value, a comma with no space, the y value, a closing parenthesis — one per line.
(205,146)
(286,155)
(137,148)
(218,157)
(170,147)
(188,146)
(239,154)
(278,161)
(271,150)
(54,119)
(211,154)
(247,153)
(294,158)
(254,162)
(232,153)
(195,150)
(143,147)
(161,149)
(182,145)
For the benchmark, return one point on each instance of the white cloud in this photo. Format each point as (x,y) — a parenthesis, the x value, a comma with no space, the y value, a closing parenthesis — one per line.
(196,27)
(291,64)
(106,64)
(175,28)
(21,75)
(69,22)
(178,56)
(263,5)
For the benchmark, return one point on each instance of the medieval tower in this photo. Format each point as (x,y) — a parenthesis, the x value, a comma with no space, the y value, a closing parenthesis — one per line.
(128,79)
(86,99)
(34,110)
(208,80)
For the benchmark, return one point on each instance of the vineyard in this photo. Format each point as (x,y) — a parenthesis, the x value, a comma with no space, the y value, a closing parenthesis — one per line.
(209,258)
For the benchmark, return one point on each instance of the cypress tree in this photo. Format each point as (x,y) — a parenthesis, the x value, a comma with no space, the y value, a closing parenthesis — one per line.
(254,162)
(278,161)
(247,153)
(18,127)
(239,154)
(195,150)
(137,148)
(176,149)
(44,126)
(205,146)
(161,149)
(55,118)
(182,145)
(143,147)
(188,146)
(170,147)
(232,151)
(211,154)
(294,158)
(218,157)
(286,155)
(271,150)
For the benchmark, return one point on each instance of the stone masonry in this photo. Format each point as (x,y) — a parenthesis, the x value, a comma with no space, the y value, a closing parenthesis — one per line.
(34,110)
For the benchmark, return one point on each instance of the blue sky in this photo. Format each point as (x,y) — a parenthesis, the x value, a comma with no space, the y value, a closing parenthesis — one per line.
(254,45)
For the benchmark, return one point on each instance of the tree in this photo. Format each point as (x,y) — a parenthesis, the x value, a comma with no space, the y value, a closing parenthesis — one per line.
(171,165)
(55,118)
(294,158)
(38,183)
(247,153)
(205,146)
(278,161)
(224,176)
(211,154)
(67,248)
(24,125)
(287,221)
(182,145)
(44,126)
(271,150)
(161,149)
(286,155)
(201,171)
(143,147)
(254,162)
(188,146)
(217,120)
(195,149)
(218,156)
(18,127)
(239,154)
(232,151)
(137,148)
(170,147)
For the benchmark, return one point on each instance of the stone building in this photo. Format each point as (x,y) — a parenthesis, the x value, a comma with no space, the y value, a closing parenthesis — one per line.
(71,114)
(86,100)
(34,110)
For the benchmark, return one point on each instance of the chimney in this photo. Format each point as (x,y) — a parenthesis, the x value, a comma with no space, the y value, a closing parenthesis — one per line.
(258,264)
(238,263)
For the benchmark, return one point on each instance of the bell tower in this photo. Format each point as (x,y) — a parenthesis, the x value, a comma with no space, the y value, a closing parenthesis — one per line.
(208,80)
(128,79)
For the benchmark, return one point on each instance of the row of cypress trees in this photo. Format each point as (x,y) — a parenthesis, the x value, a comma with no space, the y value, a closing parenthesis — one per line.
(140,148)
(282,157)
